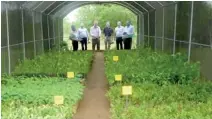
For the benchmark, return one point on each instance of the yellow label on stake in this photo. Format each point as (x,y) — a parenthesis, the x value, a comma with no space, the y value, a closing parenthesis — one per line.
(118,77)
(115,58)
(126,90)
(70,74)
(58,100)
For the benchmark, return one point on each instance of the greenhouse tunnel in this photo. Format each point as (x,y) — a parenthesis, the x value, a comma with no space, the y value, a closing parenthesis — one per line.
(33,27)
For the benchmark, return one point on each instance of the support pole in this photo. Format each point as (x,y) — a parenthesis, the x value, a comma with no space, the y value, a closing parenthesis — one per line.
(175,27)
(163,30)
(58,25)
(54,35)
(139,33)
(33,26)
(42,33)
(190,34)
(8,41)
(142,25)
(148,29)
(49,40)
(22,25)
(155,31)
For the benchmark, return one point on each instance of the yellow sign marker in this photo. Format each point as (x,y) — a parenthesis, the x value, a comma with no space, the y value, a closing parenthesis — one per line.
(118,77)
(126,90)
(58,100)
(115,58)
(70,74)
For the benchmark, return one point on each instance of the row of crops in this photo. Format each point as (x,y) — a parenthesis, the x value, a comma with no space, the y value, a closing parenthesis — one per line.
(163,86)
(29,92)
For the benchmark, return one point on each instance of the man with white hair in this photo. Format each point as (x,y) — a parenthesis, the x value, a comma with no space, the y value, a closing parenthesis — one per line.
(119,30)
(84,36)
(108,32)
(95,32)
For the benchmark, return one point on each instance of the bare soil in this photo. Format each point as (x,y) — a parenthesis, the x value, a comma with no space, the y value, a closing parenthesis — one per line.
(95,104)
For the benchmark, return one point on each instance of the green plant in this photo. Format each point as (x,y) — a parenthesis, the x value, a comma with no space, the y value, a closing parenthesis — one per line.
(146,65)
(164,86)
(33,97)
(57,62)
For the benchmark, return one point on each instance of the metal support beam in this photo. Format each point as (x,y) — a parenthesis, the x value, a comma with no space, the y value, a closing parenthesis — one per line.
(8,41)
(148,29)
(38,5)
(163,30)
(33,27)
(160,3)
(190,34)
(138,29)
(143,22)
(48,7)
(175,27)
(140,6)
(48,32)
(22,25)
(42,33)
(149,5)
(143,30)
(56,7)
(58,24)
(54,35)
(155,31)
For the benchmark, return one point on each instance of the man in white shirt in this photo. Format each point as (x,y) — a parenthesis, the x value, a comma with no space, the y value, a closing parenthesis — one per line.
(95,32)
(74,37)
(127,35)
(119,30)
(84,36)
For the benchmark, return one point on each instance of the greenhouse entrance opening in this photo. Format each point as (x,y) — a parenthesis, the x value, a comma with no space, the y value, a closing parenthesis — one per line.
(103,13)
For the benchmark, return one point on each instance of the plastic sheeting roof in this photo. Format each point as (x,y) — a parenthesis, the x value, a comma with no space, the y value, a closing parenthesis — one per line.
(62,8)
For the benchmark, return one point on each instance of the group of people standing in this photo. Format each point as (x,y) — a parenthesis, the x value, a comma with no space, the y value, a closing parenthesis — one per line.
(122,34)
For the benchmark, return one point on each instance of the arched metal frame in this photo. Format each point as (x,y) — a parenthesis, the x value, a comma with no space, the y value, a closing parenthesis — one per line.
(62,8)
(55,11)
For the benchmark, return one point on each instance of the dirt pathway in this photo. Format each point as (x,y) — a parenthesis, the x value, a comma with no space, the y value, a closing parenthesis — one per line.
(94,104)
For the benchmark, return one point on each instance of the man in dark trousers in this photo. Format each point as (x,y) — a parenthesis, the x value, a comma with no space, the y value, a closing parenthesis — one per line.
(127,35)
(108,33)
(95,32)
(74,37)
(119,30)
(84,36)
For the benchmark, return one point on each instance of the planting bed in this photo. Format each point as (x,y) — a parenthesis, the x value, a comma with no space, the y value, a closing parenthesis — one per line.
(29,92)
(57,63)
(164,86)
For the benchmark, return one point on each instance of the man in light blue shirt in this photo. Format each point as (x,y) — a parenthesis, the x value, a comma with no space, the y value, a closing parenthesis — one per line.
(127,35)
(84,36)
